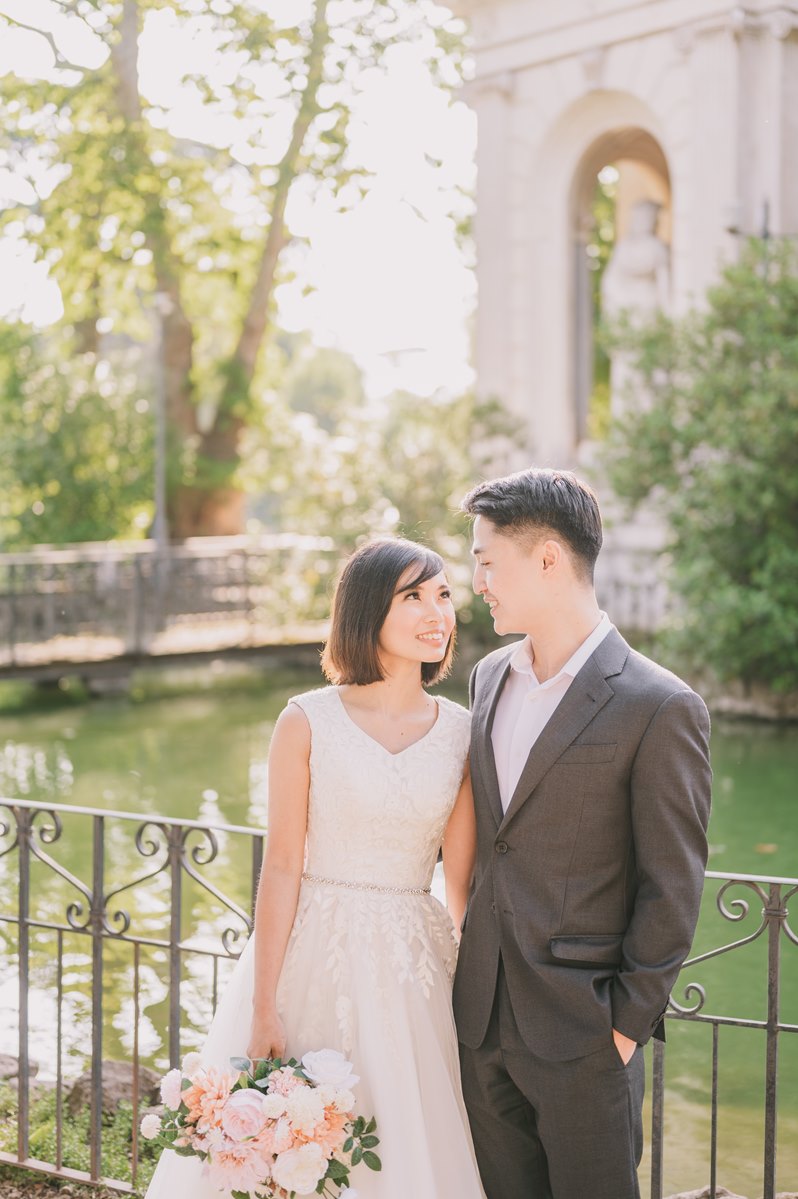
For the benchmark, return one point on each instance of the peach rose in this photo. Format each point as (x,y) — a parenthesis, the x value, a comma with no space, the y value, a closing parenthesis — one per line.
(243,1115)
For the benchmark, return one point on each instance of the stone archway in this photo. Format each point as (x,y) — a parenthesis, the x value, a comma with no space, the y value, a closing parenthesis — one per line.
(638,159)
(712,83)
(551,379)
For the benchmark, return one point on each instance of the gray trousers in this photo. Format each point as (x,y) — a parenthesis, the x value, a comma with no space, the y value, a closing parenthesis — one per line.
(552,1130)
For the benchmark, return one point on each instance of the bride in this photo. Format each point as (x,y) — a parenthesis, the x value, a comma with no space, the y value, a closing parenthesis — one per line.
(368,779)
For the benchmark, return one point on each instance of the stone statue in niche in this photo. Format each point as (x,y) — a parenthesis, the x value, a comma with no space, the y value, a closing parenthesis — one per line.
(636,284)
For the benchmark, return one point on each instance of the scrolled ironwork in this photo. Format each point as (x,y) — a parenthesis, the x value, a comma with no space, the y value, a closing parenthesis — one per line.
(689,990)
(741,905)
(49,833)
(7,827)
(230,936)
(735,910)
(78,912)
(195,854)
(788,931)
(741,909)
(147,848)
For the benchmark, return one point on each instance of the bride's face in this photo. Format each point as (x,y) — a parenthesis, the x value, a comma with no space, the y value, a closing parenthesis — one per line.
(420,620)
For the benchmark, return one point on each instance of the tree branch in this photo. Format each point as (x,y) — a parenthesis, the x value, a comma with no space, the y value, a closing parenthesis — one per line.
(60,60)
(255,322)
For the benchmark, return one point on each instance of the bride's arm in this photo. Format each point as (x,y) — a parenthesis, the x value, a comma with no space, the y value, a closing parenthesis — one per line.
(278,888)
(459,852)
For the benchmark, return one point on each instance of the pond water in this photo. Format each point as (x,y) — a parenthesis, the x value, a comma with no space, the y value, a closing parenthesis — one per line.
(200,753)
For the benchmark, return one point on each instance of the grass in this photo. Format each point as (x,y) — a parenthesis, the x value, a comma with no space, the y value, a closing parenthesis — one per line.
(75,1144)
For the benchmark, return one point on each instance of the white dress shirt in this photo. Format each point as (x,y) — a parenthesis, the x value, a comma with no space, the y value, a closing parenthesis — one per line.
(525,706)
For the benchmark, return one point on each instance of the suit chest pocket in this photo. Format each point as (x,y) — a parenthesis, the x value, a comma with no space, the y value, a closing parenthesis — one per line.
(588,754)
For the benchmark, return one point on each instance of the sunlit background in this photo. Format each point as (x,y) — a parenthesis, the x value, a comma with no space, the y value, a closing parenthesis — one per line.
(387,280)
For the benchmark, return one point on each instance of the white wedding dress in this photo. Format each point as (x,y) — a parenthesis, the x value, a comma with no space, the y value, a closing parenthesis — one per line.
(370,960)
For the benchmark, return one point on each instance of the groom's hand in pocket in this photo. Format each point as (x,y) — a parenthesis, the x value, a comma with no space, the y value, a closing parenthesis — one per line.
(267,1035)
(625,1046)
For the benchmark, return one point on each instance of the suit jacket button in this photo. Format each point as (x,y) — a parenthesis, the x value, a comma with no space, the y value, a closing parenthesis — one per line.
(501,847)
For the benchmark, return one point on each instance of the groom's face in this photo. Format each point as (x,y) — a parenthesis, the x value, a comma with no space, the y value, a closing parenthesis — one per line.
(508,576)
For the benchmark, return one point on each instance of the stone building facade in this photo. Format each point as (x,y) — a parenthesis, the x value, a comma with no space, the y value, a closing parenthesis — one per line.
(698,99)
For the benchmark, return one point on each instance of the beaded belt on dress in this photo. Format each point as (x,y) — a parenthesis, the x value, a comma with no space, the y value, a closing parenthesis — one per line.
(339,882)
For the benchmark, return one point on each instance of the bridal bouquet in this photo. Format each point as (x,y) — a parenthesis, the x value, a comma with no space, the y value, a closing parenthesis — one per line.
(267,1129)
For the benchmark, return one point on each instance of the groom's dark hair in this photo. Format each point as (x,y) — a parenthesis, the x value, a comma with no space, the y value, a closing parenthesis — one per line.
(363,597)
(538,502)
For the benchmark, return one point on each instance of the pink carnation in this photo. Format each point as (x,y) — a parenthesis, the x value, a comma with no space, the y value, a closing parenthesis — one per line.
(236,1167)
(207,1096)
(284,1081)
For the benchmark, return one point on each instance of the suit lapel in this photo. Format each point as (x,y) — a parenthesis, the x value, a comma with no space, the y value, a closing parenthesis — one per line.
(484,714)
(586,696)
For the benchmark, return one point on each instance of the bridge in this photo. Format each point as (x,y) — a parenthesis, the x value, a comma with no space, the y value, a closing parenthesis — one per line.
(102,610)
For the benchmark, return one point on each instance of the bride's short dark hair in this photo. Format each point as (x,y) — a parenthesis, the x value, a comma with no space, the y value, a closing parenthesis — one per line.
(362,600)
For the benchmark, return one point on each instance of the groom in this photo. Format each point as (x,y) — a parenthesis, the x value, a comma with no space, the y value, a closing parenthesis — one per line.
(591,779)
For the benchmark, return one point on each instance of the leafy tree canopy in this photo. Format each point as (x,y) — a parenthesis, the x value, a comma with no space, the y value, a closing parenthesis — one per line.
(123,203)
(717,447)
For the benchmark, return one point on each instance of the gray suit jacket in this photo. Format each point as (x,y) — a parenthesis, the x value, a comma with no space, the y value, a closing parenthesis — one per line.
(590,884)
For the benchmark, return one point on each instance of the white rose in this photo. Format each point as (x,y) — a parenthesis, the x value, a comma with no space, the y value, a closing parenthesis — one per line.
(190,1064)
(300,1169)
(150,1126)
(348,1193)
(304,1109)
(329,1066)
(172,1089)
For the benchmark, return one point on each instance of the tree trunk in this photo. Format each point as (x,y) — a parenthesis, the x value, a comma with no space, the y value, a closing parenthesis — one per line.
(219,449)
(176,335)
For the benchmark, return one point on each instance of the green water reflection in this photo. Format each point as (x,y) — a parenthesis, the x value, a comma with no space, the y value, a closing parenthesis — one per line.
(202,756)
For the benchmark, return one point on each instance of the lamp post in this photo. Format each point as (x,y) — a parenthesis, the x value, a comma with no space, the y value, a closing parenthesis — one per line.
(160,529)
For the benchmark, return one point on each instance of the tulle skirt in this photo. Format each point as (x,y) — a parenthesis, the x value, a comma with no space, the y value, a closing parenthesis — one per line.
(368,974)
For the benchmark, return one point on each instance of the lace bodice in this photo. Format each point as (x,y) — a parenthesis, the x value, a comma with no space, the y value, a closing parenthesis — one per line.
(373,816)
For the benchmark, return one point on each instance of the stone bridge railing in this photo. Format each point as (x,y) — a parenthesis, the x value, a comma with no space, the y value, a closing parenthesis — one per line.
(112,602)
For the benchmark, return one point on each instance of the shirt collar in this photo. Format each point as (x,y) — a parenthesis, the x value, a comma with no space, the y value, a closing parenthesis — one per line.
(521,660)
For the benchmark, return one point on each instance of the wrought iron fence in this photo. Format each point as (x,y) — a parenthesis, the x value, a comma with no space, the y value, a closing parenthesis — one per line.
(125,924)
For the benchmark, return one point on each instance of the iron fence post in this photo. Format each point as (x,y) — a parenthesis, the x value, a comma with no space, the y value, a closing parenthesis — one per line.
(175,841)
(24,819)
(775,914)
(657,1117)
(96,924)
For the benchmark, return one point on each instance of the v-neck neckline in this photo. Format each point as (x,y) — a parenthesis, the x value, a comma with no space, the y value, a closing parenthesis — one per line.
(380,745)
